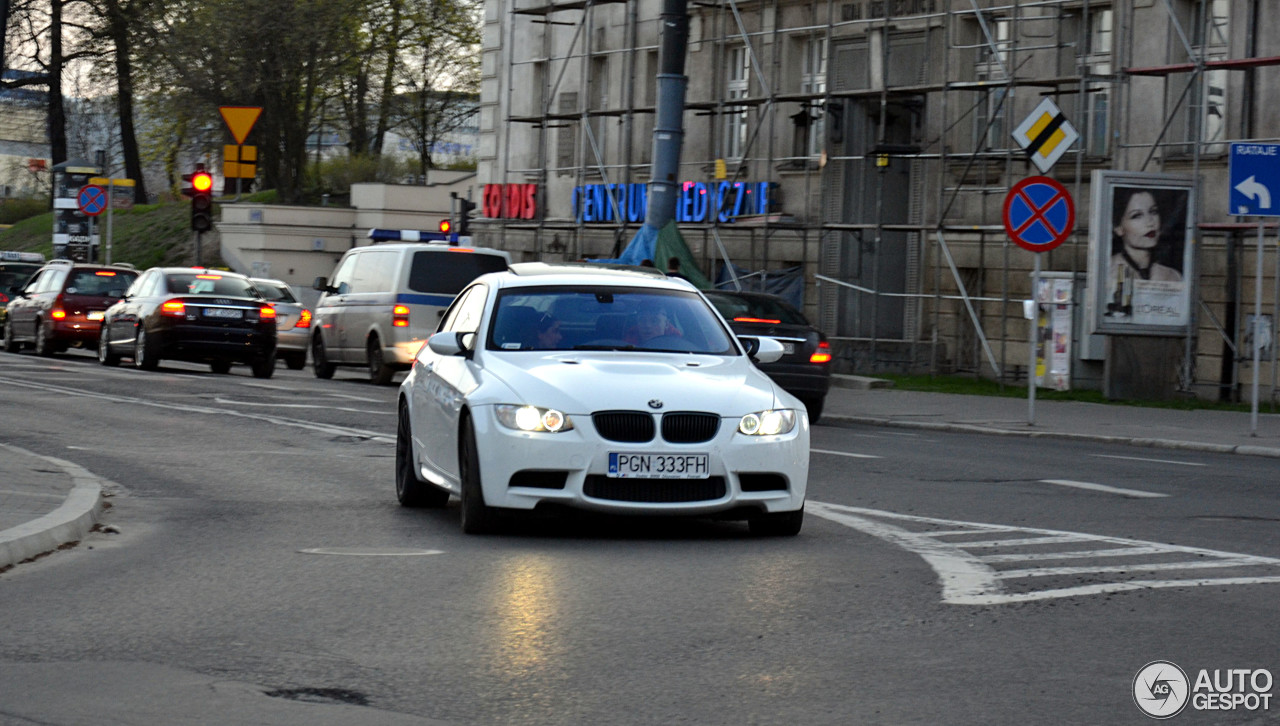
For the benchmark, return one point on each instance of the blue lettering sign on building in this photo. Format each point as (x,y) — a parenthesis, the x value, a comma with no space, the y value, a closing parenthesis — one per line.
(698,202)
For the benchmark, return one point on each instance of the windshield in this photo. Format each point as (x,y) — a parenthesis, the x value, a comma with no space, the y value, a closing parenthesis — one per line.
(103,283)
(755,308)
(210,283)
(606,318)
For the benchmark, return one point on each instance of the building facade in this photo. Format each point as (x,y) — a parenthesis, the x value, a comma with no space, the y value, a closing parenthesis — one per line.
(871,143)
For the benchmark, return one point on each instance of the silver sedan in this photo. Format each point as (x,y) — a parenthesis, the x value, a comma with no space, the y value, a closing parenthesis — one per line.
(293,321)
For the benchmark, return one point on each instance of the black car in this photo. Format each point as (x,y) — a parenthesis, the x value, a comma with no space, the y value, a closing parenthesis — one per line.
(804,370)
(13,275)
(191,314)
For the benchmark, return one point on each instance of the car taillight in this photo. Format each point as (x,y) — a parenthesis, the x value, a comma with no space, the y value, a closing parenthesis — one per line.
(174,308)
(400,316)
(266,312)
(756,320)
(4,299)
(822,354)
(58,313)
(304,321)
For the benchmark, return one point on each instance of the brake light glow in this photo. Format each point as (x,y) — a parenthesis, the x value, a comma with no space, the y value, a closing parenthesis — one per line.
(400,316)
(460,249)
(266,312)
(209,277)
(58,313)
(822,354)
(174,308)
(756,320)
(105,273)
(4,298)
(305,320)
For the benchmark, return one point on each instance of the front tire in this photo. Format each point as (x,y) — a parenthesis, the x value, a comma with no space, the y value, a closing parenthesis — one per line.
(780,524)
(411,490)
(144,352)
(319,363)
(477,517)
(11,345)
(105,356)
(380,374)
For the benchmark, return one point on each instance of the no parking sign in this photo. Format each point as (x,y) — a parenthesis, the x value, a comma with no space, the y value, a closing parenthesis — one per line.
(1039,214)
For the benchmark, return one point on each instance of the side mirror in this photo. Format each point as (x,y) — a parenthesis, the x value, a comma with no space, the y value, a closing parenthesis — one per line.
(322,284)
(764,350)
(447,343)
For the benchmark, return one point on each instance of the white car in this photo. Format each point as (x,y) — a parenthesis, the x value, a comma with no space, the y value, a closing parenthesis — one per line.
(613,390)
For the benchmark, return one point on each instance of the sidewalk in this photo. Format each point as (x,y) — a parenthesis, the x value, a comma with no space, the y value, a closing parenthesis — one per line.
(1216,431)
(46,502)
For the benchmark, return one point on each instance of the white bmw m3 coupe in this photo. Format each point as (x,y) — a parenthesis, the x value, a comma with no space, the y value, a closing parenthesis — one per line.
(608,389)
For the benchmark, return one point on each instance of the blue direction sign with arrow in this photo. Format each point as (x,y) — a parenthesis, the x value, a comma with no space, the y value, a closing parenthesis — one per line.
(1255,179)
(1039,213)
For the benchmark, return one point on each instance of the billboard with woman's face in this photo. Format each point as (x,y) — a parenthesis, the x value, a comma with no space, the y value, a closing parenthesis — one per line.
(1140,253)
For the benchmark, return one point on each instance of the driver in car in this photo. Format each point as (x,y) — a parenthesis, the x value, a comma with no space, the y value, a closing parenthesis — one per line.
(650,323)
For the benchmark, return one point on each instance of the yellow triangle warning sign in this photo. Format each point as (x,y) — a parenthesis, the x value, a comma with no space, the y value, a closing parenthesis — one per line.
(240,119)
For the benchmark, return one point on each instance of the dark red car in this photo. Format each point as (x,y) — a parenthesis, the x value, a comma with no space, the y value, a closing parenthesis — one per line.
(62,306)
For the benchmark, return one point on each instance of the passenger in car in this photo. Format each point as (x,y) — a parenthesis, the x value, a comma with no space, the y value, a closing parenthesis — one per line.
(651,323)
(549,334)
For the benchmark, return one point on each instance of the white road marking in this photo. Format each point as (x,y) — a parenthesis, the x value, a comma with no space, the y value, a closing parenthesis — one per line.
(843,453)
(370,551)
(1143,458)
(969,579)
(330,429)
(1023,541)
(230,402)
(1135,493)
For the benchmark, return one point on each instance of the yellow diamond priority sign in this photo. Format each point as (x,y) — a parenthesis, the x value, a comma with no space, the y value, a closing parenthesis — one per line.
(240,120)
(1045,135)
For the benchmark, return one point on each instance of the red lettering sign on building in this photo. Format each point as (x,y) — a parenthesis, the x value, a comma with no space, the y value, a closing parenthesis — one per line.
(511,201)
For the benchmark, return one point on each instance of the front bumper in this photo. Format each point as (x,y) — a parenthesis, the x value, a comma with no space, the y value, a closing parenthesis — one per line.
(761,474)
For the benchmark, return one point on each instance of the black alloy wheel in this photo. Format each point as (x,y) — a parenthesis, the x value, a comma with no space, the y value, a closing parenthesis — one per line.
(411,490)
(477,517)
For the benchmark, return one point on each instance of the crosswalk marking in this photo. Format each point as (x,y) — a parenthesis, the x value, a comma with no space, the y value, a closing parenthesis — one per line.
(969,578)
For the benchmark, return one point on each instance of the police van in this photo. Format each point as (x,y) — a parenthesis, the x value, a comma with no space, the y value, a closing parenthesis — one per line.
(384,300)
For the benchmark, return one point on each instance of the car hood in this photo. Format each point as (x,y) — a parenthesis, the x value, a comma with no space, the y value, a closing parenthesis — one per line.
(578,383)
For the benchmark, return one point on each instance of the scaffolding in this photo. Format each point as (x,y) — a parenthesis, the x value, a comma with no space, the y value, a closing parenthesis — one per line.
(885,124)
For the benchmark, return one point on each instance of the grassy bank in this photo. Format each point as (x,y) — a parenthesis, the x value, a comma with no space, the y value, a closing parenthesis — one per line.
(145,236)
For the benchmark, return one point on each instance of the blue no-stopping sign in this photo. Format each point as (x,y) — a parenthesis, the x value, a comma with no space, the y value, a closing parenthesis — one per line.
(92,199)
(1039,214)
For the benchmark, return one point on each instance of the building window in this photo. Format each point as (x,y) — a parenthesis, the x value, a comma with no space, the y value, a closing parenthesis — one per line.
(1210,95)
(1097,112)
(813,80)
(989,110)
(737,84)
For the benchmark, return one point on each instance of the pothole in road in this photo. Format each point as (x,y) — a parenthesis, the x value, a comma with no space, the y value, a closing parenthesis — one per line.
(370,551)
(332,696)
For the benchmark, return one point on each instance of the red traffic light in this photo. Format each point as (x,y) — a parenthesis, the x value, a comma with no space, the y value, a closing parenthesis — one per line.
(445,226)
(201,181)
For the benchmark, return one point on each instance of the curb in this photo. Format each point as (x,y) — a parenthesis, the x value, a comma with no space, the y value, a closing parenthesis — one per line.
(1246,450)
(77,514)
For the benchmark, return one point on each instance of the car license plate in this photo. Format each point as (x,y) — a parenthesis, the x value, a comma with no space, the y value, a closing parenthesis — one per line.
(95,315)
(223,313)
(658,466)
(788,348)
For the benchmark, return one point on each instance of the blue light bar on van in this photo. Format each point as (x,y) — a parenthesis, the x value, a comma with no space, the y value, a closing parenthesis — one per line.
(410,235)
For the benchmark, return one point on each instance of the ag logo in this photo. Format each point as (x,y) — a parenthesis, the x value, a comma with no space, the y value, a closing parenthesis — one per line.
(1160,689)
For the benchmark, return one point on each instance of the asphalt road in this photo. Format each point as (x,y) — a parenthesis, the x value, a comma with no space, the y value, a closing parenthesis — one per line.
(261,550)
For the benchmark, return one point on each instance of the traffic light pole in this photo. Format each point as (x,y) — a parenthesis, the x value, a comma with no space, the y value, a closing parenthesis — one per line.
(198,256)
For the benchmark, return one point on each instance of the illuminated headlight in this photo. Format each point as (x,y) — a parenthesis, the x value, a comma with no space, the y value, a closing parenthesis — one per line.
(533,418)
(767,423)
